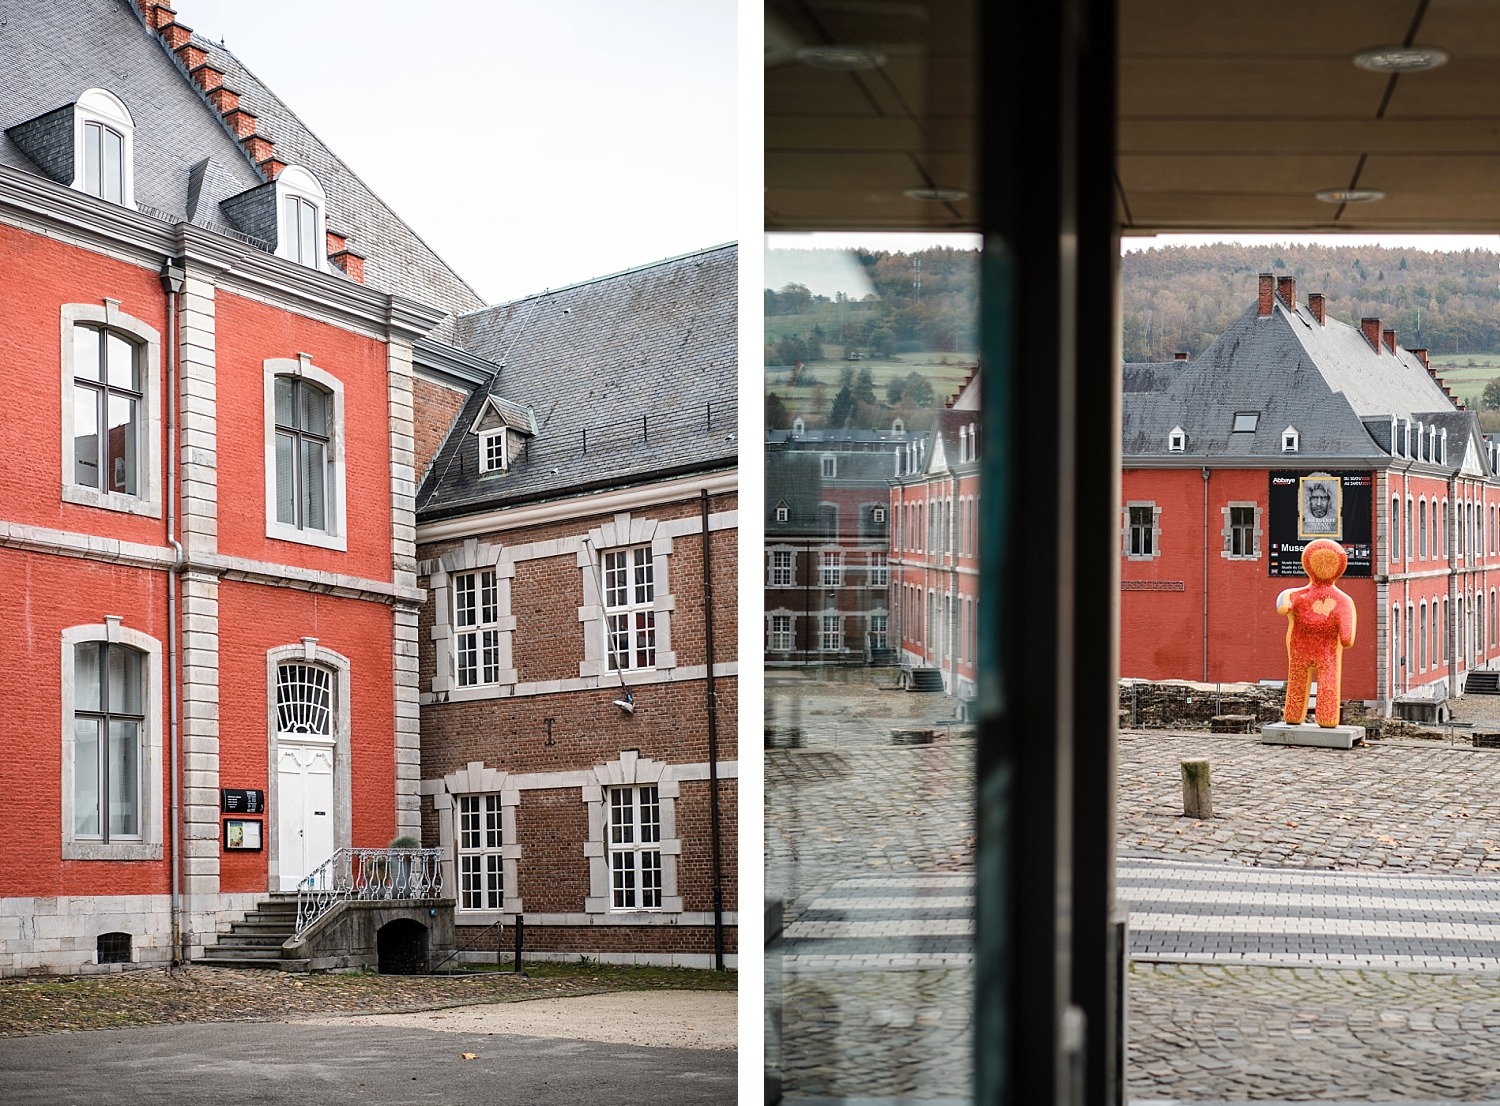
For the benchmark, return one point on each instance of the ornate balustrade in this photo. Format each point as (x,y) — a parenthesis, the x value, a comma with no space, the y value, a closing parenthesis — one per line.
(368,874)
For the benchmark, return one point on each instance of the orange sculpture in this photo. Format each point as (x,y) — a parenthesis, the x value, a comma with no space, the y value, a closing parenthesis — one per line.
(1320,626)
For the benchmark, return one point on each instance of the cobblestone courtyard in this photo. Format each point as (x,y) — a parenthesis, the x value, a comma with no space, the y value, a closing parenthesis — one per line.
(881,1007)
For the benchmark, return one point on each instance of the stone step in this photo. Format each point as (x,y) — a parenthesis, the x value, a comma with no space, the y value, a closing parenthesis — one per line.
(233,940)
(221,961)
(1482,682)
(925,679)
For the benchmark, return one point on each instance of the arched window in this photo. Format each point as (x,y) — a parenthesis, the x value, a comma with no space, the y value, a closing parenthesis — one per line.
(103,139)
(304,453)
(304,700)
(1393,543)
(300,203)
(1422,529)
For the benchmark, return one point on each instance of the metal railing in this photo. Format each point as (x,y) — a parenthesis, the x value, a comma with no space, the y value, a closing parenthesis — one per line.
(368,874)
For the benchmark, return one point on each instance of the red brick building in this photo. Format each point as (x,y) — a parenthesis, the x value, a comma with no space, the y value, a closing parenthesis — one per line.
(578,542)
(207,558)
(1294,425)
(934,552)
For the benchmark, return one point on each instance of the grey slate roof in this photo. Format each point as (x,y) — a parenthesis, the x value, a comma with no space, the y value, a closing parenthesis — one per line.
(1325,381)
(51,52)
(632,377)
(794,478)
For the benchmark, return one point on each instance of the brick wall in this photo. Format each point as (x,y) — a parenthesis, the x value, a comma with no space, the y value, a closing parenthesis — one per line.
(434,407)
(551,827)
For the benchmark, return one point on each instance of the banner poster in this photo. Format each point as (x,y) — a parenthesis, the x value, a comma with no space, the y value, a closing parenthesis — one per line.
(1307,505)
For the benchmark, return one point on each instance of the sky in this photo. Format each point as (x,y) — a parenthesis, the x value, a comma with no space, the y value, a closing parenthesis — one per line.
(532,145)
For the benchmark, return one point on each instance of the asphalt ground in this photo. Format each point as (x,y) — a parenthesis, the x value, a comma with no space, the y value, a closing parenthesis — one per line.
(869,841)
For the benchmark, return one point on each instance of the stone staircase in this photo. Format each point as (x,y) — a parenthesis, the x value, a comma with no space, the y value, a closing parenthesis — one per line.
(1482,682)
(925,679)
(256,942)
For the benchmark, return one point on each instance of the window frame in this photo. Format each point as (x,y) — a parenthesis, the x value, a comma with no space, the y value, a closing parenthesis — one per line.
(634,569)
(641,853)
(109,319)
(147,845)
(780,639)
(294,183)
(489,853)
(1243,531)
(484,630)
(779,575)
(831,568)
(487,462)
(334,534)
(98,107)
(630,770)
(1150,548)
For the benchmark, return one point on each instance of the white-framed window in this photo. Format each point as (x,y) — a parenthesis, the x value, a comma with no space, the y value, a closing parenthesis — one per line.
(481,863)
(103,141)
(781,570)
(1422,530)
(830,466)
(492,451)
(304,412)
(635,867)
(111,743)
(1177,440)
(111,410)
(831,635)
(880,573)
(879,632)
(629,608)
(779,633)
(1141,537)
(830,568)
(300,204)
(1241,531)
(476,628)
(1393,539)
(878,514)
(633,844)
(781,512)
(1290,440)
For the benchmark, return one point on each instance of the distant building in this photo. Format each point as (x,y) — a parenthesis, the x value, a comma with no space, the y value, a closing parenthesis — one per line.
(1293,425)
(934,547)
(827,527)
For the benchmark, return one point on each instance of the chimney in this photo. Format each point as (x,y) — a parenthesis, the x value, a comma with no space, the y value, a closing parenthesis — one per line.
(1286,288)
(1315,305)
(1389,334)
(1267,288)
(1422,355)
(1370,328)
(1182,355)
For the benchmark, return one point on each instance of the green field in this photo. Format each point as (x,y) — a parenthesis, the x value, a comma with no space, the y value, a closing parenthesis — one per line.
(1466,374)
(818,382)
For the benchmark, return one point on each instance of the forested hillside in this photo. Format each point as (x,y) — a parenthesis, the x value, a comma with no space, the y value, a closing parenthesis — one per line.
(1182,297)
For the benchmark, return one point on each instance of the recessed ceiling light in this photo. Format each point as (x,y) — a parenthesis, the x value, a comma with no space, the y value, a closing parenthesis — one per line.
(1401,59)
(936,194)
(1351,195)
(834,56)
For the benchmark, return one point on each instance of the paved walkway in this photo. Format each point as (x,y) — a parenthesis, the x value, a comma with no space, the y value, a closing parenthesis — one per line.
(1333,935)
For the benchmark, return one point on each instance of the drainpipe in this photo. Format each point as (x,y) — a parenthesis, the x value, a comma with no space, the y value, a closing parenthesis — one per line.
(173,280)
(1205,573)
(713,738)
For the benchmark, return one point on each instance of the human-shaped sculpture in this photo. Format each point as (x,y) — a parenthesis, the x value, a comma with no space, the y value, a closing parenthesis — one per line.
(1320,626)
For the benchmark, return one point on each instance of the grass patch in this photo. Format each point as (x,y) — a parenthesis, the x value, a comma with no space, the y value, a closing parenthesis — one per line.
(632,977)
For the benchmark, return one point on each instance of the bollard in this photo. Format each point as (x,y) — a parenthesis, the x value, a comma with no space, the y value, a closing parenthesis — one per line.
(1197,793)
(520,936)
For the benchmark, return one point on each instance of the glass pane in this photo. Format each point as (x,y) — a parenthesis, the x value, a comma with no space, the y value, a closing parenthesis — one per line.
(314,409)
(313,492)
(124,366)
(86,436)
(124,681)
(286,412)
(286,230)
(86,353)
(86,777)
(113,184)
(119,456)
(307,235)
(124,785)
(86,683)
(286,479)
(92,162)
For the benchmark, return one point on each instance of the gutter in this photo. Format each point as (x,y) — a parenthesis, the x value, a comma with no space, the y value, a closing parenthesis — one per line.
(713,739)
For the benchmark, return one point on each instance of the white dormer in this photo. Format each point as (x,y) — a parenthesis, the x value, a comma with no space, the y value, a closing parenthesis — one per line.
(797,426)
(1290,440)
(1443,446)
(103,147)
(1177,440)
(300,207)
(963,444)
(501,426)
(898,426)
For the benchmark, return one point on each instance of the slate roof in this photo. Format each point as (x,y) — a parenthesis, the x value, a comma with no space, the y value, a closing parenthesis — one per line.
(51,52)
(795,478)
(632,378)
(1326,381)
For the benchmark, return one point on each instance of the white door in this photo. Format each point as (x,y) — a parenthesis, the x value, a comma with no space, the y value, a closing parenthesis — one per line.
(304,819)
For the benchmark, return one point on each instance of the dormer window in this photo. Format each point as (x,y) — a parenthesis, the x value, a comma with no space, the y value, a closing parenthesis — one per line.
(300,203)
(1290,440)
(1245,422)
(1177,440)
(781,511)
(492,451)
(102,147)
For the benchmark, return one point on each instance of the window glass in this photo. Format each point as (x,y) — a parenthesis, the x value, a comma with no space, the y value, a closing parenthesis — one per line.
(629,620)
(107,403)
(108,720)
(302,453)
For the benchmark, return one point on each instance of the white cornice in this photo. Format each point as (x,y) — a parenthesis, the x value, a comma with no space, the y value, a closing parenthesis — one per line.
(574,507)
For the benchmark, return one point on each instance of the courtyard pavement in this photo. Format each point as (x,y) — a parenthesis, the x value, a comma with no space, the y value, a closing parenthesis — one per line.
(1332,935)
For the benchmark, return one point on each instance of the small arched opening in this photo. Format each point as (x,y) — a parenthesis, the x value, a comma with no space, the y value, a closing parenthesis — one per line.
(402,947)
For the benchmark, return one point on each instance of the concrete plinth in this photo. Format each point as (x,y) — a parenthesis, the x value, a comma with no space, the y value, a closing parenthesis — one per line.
(1322,737)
